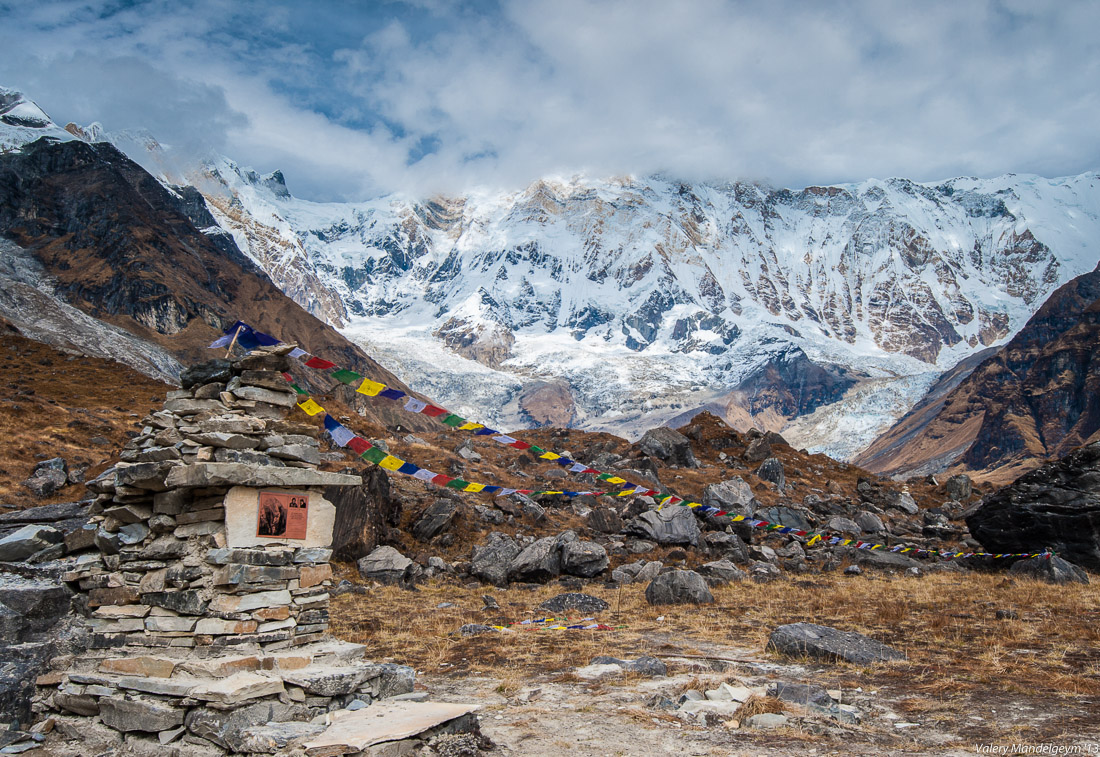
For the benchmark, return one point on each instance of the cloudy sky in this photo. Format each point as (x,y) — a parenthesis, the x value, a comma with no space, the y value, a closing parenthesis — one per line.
(354,99)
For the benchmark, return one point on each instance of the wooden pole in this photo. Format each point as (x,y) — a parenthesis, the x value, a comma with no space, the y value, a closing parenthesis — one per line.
(234,342)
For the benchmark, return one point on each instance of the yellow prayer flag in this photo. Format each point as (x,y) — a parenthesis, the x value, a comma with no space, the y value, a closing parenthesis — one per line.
(616,480)
(625,492)
(550,456)
(736,518)
(389,462)
(470,426)
(370,388)
(814,540)
(474,487)
(310,407)
(693,505)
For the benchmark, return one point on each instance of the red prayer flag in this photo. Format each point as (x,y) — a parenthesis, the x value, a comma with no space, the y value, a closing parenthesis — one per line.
(441,480)
(320,363)
(520,445)
(359,444)
(432,411)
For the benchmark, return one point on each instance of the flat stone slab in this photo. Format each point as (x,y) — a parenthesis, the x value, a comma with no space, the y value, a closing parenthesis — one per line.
(825,643)
(241,474)
(238,687)
(355,731)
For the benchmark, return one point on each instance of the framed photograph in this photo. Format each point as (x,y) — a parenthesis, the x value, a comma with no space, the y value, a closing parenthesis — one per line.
(282,515)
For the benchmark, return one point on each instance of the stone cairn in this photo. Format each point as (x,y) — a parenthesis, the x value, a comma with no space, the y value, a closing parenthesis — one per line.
(201,633)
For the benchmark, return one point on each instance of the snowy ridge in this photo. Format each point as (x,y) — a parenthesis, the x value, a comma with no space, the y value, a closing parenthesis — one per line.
(651,297)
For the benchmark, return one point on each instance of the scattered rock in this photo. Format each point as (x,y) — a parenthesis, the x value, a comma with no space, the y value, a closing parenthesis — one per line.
(538,562)
(772,470)
(387,566)
(959,487)
(672,525)
(843,525)
(1052,569)
(732,495)
(46,482)
(649,667)
(669,446)
(869,522)
(803,693)
(584,603)
(721,572)
(435,520)
(678,587)
(490,561)
(825,643)
(583,558)
(605,520)
(766,721)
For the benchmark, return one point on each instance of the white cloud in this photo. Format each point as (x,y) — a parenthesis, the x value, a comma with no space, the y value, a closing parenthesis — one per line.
(420,97)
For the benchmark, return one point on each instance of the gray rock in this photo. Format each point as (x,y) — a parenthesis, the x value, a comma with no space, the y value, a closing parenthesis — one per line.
(468,453)
(678,587)
(869,522)
(583,558)
(825,643)
(27,541)
(392,680)
(879,560)
(784,516)
(584,603)
(48,514)
(650,667)
(259,394)
(650,570)
(902,501)
(727,546)
(54,463)
(149,476)
(670,446)
(249,457)
(239,474)
(959,487)
(134,533)
(435,520)
(301,452)
(605,520)
(139,714)
(490,561)
(272,737)
(474,629)
(672,525)
(387,566)
(205,373)
(767,721)
(763,572)
(190,602)
(844,525)
(538,562)
(758,449)
(1053,570)
(225,728)
(721,572)
(46,482)
(732,495)
(772,470)
(803,693)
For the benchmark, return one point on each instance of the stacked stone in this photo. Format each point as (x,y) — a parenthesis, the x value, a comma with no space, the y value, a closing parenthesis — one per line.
(199,628)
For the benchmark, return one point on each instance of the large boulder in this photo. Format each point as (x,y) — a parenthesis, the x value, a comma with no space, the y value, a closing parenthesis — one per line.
(784,516)
(491,560)
(541,560)
(959,487)
(1052,569)
(733,494)
(678,587)
(825,643)
(386,566)
(728,546)
(672,525)
(583,558)
(670,446)
(1055,506)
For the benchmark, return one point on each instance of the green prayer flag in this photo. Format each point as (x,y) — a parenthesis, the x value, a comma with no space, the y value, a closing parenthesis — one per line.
(453,420)
(374,455)
(346,377)
(457,483)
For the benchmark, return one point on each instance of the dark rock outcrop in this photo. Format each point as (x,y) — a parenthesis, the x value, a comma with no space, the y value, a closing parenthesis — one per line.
(1056,506)
(668,445)
(672,525)
(1052,569)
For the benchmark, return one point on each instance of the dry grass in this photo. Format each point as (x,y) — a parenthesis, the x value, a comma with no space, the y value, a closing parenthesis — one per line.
(944,622)
(53,404)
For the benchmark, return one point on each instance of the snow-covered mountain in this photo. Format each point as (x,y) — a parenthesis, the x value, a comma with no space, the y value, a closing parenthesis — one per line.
(621,304)
(625,303)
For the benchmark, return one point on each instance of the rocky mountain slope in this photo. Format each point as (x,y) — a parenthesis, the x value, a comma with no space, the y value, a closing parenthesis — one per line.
(100,256)
(1034,400)
(644,300)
